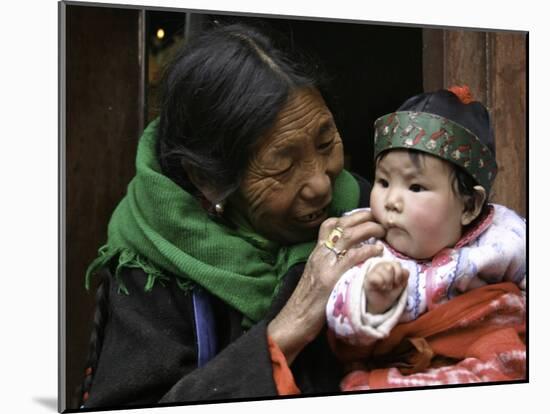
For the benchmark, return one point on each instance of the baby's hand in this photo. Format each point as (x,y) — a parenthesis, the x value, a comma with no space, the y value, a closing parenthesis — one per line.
(383,284)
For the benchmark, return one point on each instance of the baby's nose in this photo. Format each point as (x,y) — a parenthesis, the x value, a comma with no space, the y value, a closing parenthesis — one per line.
(394,202)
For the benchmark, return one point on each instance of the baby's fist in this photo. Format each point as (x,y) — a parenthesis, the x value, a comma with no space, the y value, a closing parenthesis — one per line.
(383,284)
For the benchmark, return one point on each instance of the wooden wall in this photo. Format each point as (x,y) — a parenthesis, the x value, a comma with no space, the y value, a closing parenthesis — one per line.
(493,64)
(104,117)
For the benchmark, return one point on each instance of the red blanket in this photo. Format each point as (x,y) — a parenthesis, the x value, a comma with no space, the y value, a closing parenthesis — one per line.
(476,337)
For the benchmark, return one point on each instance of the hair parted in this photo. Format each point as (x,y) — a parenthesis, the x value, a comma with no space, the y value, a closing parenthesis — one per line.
(222,91)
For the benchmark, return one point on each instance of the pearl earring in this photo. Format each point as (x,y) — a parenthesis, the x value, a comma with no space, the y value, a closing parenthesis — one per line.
(219,207)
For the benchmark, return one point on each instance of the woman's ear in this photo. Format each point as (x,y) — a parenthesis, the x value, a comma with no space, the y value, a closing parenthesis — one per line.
(207,190)
(473,205)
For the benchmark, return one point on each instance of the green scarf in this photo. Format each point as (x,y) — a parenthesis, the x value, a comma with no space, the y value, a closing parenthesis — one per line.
(160,228)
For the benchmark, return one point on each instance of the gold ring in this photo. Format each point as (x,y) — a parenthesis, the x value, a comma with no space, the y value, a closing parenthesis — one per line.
(338,253)
(329,245)
(341,254)
(333,237)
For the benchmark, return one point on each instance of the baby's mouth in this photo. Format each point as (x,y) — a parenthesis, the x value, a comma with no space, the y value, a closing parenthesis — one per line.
(392,225)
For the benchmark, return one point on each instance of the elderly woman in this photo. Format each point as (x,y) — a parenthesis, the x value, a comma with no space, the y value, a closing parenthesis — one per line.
(221,257)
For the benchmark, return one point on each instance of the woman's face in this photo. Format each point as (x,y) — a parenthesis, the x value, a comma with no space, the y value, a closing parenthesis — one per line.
(287,187)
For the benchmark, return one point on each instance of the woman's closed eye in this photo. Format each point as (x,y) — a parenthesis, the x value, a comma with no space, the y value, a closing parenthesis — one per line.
(327,136)
(284,169)
(324,146)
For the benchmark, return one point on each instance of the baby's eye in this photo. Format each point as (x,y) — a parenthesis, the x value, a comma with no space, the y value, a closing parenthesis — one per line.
(384,183)
(416,188)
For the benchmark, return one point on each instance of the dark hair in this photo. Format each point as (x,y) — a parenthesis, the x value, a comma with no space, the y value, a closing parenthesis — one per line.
(472,115)
(218,96)
(462,183)
(101,314)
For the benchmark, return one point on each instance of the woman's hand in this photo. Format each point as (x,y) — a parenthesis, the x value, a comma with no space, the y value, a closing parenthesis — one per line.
(303,316)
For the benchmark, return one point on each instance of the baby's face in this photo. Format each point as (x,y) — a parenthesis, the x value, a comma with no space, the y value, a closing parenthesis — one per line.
(416,204)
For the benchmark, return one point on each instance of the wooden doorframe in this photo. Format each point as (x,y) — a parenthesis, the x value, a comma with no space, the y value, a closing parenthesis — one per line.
(494,65)
(102,105)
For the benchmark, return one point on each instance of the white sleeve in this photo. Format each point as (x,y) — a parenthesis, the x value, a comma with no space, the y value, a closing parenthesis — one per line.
(499,254)
(347,312)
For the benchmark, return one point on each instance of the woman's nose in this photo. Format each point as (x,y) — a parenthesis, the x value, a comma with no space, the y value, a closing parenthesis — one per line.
(318,187)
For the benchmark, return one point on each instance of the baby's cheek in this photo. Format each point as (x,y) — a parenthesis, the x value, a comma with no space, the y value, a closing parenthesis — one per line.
(429,226)
(376,206)
(418,212)
(422,219)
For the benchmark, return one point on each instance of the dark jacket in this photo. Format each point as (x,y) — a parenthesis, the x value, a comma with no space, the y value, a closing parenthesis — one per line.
(149,354)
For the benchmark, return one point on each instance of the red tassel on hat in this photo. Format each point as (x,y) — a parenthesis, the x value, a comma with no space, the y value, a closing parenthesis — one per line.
(463,93)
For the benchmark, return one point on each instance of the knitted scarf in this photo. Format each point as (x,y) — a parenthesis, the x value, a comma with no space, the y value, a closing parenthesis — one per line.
(161,229)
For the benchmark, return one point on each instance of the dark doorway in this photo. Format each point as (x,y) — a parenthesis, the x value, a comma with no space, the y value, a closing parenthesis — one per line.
(369,69)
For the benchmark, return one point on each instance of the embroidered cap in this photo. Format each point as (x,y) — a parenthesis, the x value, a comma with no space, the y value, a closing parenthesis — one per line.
(445,125)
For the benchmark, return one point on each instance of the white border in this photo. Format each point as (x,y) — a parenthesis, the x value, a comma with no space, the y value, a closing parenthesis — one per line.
(29,163)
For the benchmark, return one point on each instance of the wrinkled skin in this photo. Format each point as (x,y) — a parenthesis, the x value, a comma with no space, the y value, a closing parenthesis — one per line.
(303,316)
(284,196)
(288,185)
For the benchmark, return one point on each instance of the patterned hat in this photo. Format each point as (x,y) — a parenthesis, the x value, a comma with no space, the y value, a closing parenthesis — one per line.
(447,124)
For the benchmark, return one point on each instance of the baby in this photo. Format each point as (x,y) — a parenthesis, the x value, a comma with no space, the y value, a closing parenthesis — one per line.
(435,166)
